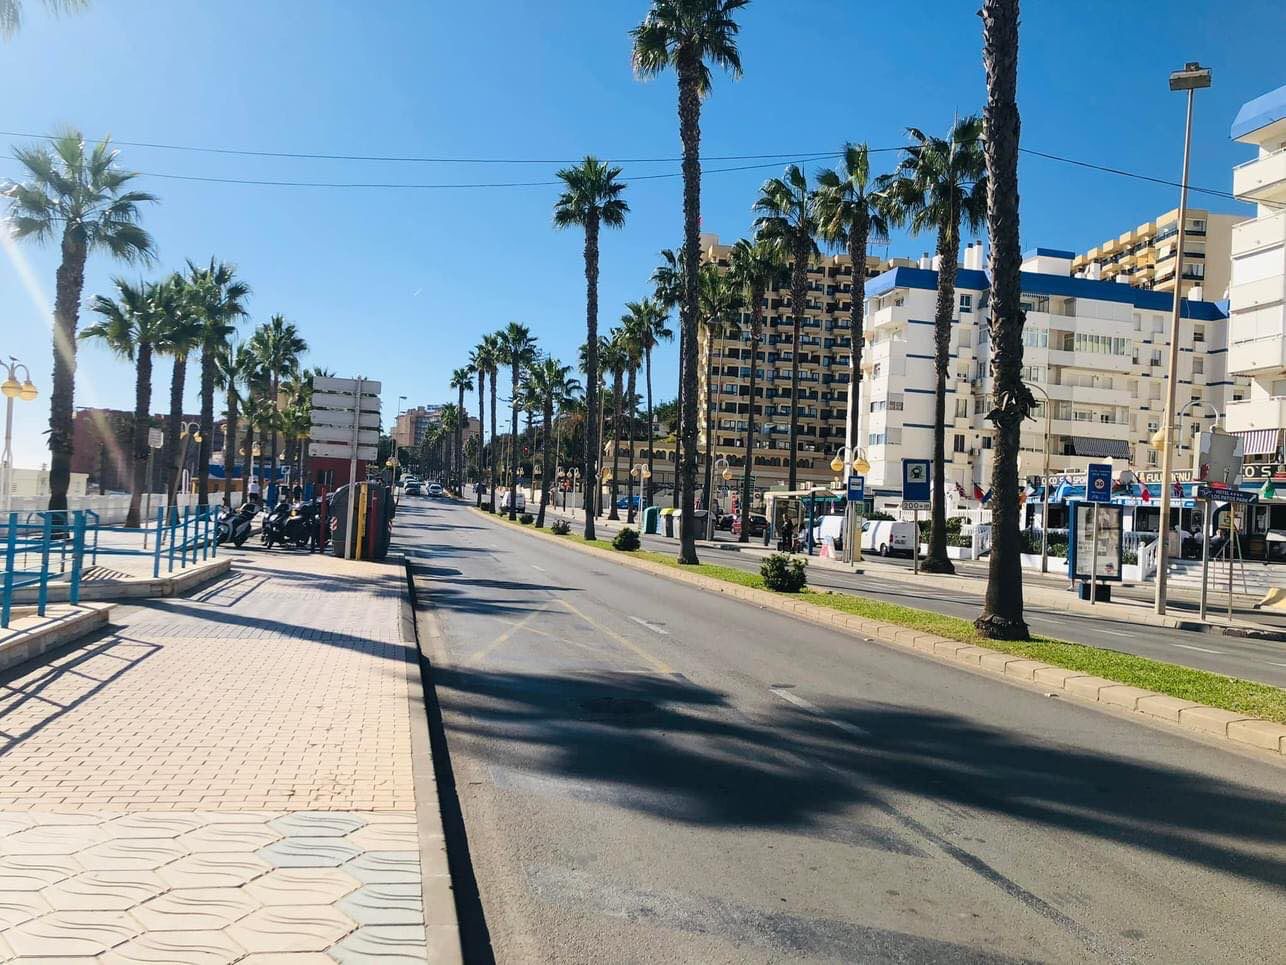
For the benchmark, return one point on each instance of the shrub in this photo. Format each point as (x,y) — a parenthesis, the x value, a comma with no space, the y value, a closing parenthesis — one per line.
(783,573)
(560,527)
(526,519)
(877,514)
(959,539)
(627,540)
(1129,558)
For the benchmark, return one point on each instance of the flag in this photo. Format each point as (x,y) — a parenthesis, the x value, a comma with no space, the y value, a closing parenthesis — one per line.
(1177,489)
(1022,497)
(1146,494)
(1269,491)
(977,493)
(986,497)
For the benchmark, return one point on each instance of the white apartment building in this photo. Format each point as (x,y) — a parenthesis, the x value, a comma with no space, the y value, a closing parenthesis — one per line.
(1098,348)
(1257,307)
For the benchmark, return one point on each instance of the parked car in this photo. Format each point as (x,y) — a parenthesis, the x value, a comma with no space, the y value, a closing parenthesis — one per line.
(435,489)
(411,488)
(516,501)
(623,502)
(724,522)
(758,525)
(888,536)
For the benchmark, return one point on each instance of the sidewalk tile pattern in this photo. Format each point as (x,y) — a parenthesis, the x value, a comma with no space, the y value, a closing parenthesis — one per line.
(224,777)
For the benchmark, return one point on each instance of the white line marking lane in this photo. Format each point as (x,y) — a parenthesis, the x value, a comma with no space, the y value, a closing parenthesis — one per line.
(651,626)
(800,702)
(1198,649)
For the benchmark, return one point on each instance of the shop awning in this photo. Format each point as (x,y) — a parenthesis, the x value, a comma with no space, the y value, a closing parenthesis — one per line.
(1101,448)
(1258,442)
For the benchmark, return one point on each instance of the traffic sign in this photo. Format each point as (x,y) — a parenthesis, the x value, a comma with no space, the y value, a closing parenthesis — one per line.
(326,383)
(1226,495)
(155,438)
(344,434)
(856,488)
(1099,486)
(333,450)
(913,505)
(915,480)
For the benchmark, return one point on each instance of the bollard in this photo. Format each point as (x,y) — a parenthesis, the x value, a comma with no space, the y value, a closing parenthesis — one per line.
(156,549)
(9,548)
(183,553)
(77,556)
(46,535)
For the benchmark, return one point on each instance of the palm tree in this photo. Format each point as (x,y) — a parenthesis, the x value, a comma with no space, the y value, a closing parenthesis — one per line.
(759,266)
(848,211)
(183,334)
(462,381)
(278,345)
(788,215)
(592,198)
(449,421)
(652,330)
(77,195)
(492,343)
(218,297)
(552,383)
(132,327)
(685,35)
(11,13)
(234,367)
(517,349)
(637,326)
(939,183)
(615,361)
(1002,610)
(720,306)
(482,363)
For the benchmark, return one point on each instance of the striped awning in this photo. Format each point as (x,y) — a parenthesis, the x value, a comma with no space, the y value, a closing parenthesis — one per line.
(1258,442)
(1101,448)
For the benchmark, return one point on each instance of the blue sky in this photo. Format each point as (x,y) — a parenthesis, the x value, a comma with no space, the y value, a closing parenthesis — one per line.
(399,284)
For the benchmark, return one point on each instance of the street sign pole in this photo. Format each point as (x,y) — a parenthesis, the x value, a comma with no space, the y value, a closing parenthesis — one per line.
(1094,553)
(915,542)
(352,472)
(1205,553)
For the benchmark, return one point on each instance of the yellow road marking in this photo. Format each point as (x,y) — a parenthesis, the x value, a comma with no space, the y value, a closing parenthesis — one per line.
(513,628)
(660,665)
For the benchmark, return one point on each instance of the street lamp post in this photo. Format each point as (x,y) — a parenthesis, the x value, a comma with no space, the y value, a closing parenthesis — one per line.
(851,460)
(1044,481)
(1192,78)
(12,389)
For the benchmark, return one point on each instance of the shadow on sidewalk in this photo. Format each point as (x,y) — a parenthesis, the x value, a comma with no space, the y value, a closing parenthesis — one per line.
(663,746)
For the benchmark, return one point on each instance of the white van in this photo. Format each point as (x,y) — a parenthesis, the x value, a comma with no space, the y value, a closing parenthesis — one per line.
(507,502)
(888,536)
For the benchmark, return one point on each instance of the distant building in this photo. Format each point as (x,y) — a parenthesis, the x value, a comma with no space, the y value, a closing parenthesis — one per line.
(102,443)
(413,423)
(1145,256)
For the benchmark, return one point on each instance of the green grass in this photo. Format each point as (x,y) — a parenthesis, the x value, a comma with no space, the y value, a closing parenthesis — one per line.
(1229,693)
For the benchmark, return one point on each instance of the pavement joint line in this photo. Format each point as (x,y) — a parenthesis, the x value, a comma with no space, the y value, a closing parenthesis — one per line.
(1195,719)
(813,709)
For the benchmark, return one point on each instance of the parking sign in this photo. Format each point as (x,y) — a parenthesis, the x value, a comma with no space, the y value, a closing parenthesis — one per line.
(856,488)
(915,480)
(1099,483)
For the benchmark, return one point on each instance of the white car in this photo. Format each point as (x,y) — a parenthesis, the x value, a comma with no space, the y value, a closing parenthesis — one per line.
(515,499)
(435,489)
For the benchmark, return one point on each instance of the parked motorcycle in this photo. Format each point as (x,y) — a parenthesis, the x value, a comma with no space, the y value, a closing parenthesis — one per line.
(291,523)
(234,527)
(274,524)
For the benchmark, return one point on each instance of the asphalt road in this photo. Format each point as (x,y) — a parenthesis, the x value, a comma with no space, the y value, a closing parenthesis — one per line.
(649,773)
(1261,660)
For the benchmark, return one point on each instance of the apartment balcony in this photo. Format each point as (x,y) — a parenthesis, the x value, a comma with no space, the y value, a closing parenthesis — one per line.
(1263,179)
(1255,294)
(1259,233)
(1269,413)
(1262,355)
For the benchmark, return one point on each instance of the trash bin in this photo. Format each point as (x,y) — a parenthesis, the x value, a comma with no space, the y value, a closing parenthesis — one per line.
(669,524)
(650,516)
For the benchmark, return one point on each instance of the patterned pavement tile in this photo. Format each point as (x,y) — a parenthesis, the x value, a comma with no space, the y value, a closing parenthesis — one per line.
(67,933)
(194,909)
(301,886)
(9,823)
(177,948)
(385,837)
(52,839)
(318,824)
(21,872)
(132,854)
(386,944)
(153,824)
(104,890)
(308,853)
(385,867)
(19,906)
(213,871)
(288,958)
(298,928)
(384,905)
(240,838)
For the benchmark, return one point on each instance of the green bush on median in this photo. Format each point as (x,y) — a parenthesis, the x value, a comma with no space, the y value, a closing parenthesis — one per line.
(560,527)
(526,519)
(783,573)
(627,540)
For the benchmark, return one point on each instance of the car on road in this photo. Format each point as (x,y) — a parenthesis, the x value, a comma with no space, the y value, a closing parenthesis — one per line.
(515,501)
(435,489)
(411,488)
(758,525)
(623,502)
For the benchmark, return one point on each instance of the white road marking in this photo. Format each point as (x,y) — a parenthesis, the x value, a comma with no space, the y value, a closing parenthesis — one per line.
(1198,649)
(1276,664)
(1115,633)
(651,626)
(541,568)
(798,701)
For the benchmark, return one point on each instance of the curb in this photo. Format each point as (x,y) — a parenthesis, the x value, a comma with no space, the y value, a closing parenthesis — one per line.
(20,644)
(133,587)
(441,926)
(1238,729)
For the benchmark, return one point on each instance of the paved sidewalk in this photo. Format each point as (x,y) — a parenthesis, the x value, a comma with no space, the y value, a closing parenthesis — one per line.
(227,777)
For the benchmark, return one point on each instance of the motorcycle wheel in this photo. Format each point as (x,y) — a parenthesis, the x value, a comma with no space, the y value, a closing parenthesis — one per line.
(238,540)
(301,541)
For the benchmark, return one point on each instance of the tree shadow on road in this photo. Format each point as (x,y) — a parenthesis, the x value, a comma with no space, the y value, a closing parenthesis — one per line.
(663,746)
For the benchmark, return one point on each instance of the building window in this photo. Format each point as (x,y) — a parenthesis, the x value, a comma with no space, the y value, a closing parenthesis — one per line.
(959,443)
(1198,366)
(962,408)
(1198,333)
(1036,337)
(966,304)
(986,442)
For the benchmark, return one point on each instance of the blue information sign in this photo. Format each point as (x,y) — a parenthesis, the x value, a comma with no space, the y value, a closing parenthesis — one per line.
(915,480)
(1099,483)
(856,488)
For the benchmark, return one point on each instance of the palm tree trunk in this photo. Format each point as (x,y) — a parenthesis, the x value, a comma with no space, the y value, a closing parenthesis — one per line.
(206,446)
(857,255)
(482,428)
(495,453)
(272,412)
(1002,610)
(230,445)
(602,437)
(646,499)
(248,462)
(173,449)
(710,405)
(614,513)
(798,293)
(139,441)
(513,448)
(756,323)
(70,283)
(689,71)
(948,249)
(545,469)
(631,385)
(591,372)
(459,442)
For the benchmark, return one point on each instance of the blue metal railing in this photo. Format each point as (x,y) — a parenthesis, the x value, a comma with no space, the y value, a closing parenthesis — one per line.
(29,539)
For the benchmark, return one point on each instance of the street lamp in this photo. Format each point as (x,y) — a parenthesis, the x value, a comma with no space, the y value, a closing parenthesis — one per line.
(12,389)
(1044,480)
(642,473)
(1192,78)
(849,460)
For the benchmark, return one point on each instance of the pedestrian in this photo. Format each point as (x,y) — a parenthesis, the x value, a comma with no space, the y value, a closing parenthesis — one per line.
(787,542)
(254,489)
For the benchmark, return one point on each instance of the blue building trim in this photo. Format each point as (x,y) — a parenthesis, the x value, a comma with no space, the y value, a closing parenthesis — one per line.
(1049,253)
(1263,110)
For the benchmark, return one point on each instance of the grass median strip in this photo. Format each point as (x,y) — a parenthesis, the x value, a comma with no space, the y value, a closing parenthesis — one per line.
(1215,690)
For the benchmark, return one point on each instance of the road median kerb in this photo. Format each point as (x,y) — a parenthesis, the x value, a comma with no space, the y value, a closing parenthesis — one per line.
(1235,728)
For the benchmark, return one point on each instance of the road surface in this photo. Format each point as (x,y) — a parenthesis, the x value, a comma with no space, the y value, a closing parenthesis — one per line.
(650,773)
